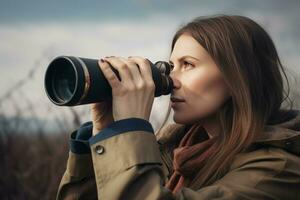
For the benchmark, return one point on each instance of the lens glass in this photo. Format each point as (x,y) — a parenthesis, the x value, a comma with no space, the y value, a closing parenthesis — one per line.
(63,82)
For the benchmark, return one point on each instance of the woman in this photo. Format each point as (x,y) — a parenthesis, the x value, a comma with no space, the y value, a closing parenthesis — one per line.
(231,138)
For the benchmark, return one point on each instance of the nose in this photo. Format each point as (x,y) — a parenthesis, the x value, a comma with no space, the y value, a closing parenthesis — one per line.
(176,82)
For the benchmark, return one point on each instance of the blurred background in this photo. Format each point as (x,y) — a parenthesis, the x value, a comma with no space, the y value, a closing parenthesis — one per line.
(34,132)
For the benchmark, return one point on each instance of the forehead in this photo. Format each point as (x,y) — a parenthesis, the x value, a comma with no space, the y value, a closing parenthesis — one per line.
(187,45)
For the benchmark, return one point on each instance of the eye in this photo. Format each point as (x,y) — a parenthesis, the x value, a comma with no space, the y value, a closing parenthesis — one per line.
(185,63)
(171,66)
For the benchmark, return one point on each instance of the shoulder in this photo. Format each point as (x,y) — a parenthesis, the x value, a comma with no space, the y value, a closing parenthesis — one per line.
(265,156)
(272,159)
(268,169)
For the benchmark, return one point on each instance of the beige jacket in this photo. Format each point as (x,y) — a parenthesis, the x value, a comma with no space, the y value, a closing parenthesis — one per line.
(135,165)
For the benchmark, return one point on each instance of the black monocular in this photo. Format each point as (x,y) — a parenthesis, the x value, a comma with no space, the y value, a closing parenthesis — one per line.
(71,81)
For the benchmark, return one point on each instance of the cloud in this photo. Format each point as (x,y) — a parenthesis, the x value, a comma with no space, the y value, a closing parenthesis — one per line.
(13,11)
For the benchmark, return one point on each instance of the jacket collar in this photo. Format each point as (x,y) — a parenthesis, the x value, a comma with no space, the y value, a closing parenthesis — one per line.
(285,135)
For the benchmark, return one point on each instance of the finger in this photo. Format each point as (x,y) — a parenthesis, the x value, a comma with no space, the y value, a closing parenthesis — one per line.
(110,76)
(122,68)
(135,72)
(144,65)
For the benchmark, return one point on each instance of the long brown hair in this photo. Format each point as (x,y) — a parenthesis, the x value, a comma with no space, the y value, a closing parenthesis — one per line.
(248,60)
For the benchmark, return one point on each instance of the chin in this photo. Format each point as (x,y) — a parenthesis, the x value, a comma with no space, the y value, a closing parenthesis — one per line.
(185,119)
(181,120)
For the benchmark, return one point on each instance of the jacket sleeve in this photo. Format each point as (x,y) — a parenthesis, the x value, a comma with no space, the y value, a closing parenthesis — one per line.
(128,165)
(78,181)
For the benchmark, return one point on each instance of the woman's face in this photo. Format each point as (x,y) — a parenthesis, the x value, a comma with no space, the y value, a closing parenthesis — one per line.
(197,80)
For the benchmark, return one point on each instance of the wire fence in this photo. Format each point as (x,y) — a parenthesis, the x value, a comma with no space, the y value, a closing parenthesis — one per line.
(24,107)
(33,160)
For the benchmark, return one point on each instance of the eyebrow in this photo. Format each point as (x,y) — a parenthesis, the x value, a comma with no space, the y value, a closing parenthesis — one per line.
(183,57)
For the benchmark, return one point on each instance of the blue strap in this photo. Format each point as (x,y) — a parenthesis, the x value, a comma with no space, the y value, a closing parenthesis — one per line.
(122,126)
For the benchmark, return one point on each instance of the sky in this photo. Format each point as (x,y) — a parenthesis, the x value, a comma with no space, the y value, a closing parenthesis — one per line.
(33,32)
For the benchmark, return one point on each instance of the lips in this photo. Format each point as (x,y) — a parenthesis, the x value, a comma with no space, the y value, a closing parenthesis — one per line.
(176,99)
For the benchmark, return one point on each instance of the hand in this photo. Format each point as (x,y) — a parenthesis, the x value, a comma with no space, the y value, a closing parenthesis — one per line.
(133,95)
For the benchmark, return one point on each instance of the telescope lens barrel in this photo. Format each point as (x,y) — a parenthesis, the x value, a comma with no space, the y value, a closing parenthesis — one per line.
(71,81)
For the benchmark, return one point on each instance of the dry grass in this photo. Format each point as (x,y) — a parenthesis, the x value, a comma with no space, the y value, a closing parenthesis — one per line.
(31,165)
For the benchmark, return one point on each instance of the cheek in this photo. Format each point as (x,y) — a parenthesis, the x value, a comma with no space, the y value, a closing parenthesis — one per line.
(206,94)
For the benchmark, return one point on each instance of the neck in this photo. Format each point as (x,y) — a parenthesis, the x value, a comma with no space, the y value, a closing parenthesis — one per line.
(212,126)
